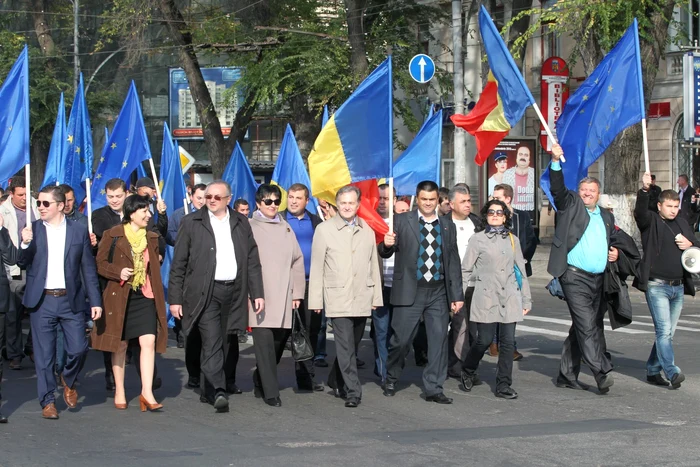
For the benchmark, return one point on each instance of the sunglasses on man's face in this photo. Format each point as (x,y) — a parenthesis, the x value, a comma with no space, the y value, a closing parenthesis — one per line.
(46,204)
(216,197)
(269,201)
(492,212)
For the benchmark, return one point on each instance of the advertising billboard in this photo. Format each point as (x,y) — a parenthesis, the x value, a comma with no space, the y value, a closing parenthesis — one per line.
(513,163)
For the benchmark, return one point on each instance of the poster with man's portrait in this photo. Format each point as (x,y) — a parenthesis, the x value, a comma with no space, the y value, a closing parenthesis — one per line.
(513,163)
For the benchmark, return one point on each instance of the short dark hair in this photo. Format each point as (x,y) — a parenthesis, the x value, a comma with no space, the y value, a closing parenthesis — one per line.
(653,177)
(426,185)
(66,188)
(669,195)
(239,202)
(265,190)
(17,182)
(199,186)
(56,193)
(134,203)
(300,187)
(502,205)
(507,190)
(443,194)
(684,176)
(385,186)
(114,184)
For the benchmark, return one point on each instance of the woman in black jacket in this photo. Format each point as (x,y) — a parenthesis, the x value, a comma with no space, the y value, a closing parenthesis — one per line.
(8,257)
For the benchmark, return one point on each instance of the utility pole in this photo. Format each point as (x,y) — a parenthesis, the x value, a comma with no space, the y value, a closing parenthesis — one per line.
(76,58)
(460,148)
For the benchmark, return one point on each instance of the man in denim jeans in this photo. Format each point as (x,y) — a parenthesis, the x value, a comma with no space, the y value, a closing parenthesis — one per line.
(661,276)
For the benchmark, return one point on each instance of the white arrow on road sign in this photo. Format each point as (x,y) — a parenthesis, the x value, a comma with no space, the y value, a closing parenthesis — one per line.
(421,68)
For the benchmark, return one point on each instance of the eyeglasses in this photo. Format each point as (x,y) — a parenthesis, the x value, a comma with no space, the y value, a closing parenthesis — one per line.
(493,212)
(46,204)
(216,197)
(269,201)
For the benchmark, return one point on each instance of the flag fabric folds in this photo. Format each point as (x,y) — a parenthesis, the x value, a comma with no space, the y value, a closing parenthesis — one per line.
(325,117)
(77,162)
(609,100)
(290,169)
(14,118)
(238,174)
(421,159)
(369,200)
(59,143)
(504,98)
(356,143)
(126,149)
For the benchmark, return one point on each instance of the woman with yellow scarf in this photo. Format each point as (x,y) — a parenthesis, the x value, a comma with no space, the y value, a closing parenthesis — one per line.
(134,301)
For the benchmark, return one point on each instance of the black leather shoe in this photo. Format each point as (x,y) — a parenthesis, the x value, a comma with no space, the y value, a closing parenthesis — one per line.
(339,393)
(477,381)
(605,383)
(3,419)
(677,379)
(440,398)
(274,402)
(319,387)
(467,381)
(657,380)
(193,382)
(507,393)
(389,389)
(567,383)
(231,388)
(352,403)
(360,363)
(221,402)
(321,363)
(205,400)
(180,341)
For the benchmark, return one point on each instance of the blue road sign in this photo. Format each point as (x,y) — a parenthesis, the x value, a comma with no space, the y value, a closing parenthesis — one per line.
(421,68)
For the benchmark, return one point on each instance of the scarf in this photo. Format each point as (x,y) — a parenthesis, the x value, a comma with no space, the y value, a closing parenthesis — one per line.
(500,230)
(138,243)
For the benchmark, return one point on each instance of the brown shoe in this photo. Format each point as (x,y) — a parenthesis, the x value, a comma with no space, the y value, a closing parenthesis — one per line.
(49,412)
(493,349)
(69,395)
(517,356)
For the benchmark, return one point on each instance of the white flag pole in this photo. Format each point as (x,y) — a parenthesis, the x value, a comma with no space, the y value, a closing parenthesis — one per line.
(27,176)
(185,205)
(88,205)
(155,177)
(391,204)
(546,127)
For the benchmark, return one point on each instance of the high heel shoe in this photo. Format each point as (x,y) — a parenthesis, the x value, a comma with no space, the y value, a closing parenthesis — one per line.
(123,406)
(145,405)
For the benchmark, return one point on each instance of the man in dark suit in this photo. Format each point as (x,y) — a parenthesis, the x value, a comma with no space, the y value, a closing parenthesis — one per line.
(427,276)
(217,257)
(304,224)
(146,187)
(689,204)
(580,252)
(61,275)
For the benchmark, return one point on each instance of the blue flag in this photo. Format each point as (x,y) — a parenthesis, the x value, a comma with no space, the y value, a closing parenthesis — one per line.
(421,159)
(238,174)
(14,118)
(126,149)
(59,143)
(140,172)
(610,100)
(173,192)
(290,169)
(325,117)
(77,162)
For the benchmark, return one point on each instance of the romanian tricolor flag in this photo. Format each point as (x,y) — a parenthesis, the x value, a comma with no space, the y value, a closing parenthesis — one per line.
(504,98)
(290,169)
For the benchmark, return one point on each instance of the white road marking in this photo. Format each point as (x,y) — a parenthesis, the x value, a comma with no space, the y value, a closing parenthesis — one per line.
(523,328)
(568,323)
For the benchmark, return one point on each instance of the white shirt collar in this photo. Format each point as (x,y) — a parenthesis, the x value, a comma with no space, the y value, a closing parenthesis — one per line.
(213,218)
(57,227)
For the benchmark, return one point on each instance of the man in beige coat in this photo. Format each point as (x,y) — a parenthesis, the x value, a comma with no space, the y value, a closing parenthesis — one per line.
(345,280)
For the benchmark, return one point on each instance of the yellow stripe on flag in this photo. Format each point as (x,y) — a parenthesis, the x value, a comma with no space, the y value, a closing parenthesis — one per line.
(496,119)
(283,206)
(328,168)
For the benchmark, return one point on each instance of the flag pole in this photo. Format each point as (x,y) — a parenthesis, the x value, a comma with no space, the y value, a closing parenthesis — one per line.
(185,206)
(29,193)
(546,127)
(88,206)
(391,205)
(155,178)
(413,198)
(646,144)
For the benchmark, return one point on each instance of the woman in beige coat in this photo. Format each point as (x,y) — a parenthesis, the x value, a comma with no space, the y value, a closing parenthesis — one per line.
(284,283)
(500,296)
(344,279)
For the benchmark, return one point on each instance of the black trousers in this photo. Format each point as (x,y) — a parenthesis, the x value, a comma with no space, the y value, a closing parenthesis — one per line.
(484,337)
(462,335)
(431,305)
(193,350)
(12,320)
(212,332)
(305,372)
(585,341)
(269,347)
(348,334)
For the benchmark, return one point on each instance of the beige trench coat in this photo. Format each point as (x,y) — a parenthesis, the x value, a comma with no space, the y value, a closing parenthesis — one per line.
(489,263)
(344,277)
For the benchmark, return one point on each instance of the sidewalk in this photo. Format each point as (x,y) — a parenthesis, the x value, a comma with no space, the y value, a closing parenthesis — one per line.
(539,261)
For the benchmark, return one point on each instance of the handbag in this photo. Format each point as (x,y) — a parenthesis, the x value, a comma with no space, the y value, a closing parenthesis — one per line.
(516,269)
(301,345)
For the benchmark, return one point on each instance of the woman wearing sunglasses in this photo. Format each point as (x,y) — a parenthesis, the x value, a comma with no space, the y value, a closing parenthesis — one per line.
(495,262)
(133,299)
(284,283)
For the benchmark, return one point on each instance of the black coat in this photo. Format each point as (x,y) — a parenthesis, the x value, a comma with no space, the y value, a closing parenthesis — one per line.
(689,209)
(571,222)
(105,218)
(8,256)
(407,229)
(523,229)
(650,225)
(616,295)
(194,263)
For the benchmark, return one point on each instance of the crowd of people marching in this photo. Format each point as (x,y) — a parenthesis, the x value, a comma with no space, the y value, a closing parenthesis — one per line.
(450,283)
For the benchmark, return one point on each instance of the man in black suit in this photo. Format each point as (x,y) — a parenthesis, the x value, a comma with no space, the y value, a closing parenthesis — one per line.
(61,275)
(689,200)
(427,276)
(580,253)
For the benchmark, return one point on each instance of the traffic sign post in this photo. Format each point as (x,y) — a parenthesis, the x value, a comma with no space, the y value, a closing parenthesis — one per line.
(421,68)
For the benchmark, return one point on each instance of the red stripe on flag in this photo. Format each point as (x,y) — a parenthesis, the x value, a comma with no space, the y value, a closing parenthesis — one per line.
(486,142)
(487,102)
(368,208)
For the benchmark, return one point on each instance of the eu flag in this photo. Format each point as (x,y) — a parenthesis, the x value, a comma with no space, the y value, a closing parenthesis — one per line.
(238,174)
(126,149)
(290,169)
(14,118)
(77,162)
(421,159)
(610,100)
(54,163)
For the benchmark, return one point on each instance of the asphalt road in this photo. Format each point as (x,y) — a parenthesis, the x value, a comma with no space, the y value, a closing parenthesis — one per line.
(635,424)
